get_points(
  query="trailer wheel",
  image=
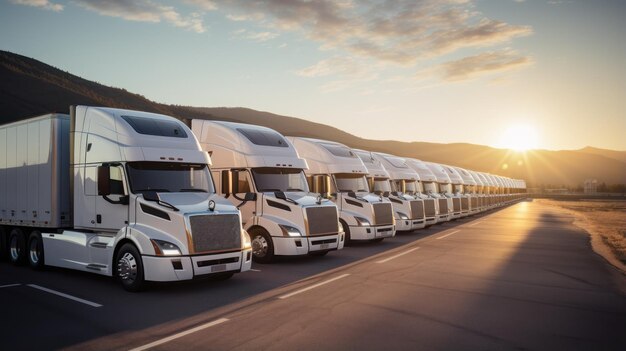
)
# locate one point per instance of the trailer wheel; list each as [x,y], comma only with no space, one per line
[35,250]
[4,243]
[17,247]
[129,268]
[262,246]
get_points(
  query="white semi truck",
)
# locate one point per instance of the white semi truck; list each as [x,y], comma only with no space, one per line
[115,192]
[460,202]
[260,172]
[404,186]
[338,173]
[442,189]
[469,189]
[425,191]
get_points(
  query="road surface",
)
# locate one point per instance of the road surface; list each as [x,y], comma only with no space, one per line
[522,277]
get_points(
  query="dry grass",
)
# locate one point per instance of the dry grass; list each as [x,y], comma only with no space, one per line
[604,220]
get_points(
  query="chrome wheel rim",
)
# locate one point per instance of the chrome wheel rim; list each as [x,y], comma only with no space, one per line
[259,246]
[127,267]
[34,252]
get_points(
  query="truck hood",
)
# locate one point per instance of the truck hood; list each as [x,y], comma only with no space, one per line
[196,202]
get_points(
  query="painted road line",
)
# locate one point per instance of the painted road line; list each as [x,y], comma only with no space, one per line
[473,224]
[443,236]
[9,285]
[398,255]
[181,334]
[58,293]
[313,286]
[255,270]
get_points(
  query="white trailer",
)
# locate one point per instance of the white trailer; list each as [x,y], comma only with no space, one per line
[115,192]
[404,186]
[259,170]
[443,188]
[338,173]
[425,191]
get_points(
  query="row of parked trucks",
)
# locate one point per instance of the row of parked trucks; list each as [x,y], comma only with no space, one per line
[146,197]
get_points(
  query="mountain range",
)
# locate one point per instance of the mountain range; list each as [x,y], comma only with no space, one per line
[29,88]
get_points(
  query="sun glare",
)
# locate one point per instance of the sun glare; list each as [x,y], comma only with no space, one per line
[519,138]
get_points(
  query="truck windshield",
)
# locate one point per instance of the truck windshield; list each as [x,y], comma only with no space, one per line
[279,179]
[410,186]
[381,184]
[431,188]
[169,177]
[351,182]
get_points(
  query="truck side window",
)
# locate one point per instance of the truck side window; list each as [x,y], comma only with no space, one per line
[243,181]
[117,183]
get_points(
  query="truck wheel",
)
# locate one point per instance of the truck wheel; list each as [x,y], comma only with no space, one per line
[129,268]
[35,250]
[4,243]
[17,247]
[262,246]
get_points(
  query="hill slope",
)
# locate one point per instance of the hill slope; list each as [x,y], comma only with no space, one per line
[29,87]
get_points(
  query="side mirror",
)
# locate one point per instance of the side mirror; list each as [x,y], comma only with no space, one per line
[352,194]
[104,180]
[250,197]
[225,182]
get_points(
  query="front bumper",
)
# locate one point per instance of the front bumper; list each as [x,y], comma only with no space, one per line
[175,268]
[293,246]
[370,233]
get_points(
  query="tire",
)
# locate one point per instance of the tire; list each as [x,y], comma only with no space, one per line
[4,243]
[346,231]
[17,247]
[129,268]
[319,253]
[262,246]
[35,254]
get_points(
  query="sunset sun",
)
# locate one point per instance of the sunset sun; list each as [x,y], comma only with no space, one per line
[519,138]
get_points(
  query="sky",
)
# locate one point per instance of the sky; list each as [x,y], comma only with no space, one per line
[546,74]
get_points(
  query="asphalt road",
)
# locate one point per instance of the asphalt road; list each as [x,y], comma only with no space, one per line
[523,277]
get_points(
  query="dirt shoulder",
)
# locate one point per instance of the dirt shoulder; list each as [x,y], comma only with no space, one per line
[605,221]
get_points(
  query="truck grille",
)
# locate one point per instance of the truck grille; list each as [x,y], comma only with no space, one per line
[464,204]
[429,208]
[443,206]
[322,220]
[456,204]
[383,214]
[417,209]
[215,232]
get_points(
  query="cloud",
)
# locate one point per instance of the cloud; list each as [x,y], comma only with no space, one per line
[481,64]
[397,32]
[44,4]
[144,11]
[255,36]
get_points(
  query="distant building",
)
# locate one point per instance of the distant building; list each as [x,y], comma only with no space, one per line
[591,186]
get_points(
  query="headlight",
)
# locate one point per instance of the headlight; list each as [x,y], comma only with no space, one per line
[245,240]
[362,222]
[402,215]
[165,248]
[289,230]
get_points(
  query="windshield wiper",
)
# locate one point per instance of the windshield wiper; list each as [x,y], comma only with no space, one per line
[294,189]
[156,190]
[268,190]
[153,196]
[192,190]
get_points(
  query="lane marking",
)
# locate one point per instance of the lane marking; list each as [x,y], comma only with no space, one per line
[454,232]
[313,286]
[473,224]
[181,334]
[255,270]
[398,255]
[9,285]
[58,293]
